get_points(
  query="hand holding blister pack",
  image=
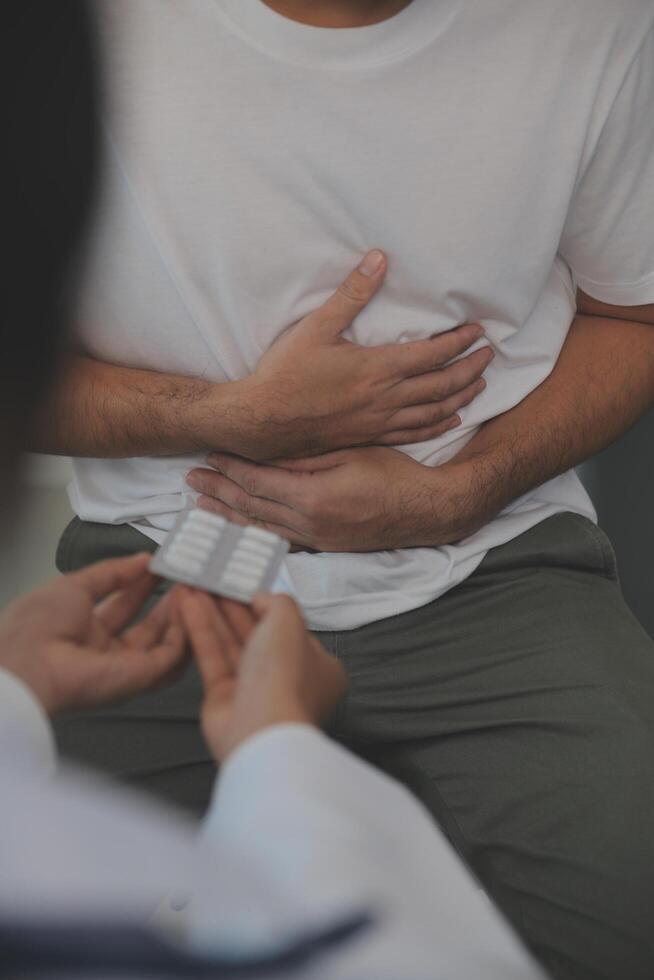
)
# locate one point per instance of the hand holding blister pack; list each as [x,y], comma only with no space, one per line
[208,552]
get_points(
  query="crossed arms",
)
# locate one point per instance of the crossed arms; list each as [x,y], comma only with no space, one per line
[602,383]
[283,455]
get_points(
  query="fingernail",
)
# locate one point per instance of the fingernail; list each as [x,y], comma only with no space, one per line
[372,263]
[213,461]
[455,423]
[477,330]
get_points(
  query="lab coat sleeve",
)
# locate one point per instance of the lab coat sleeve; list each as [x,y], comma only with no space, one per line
[325,834]
[299,835]
[26,739]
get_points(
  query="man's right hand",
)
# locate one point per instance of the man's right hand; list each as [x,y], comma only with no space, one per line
[313,391]
[260,667]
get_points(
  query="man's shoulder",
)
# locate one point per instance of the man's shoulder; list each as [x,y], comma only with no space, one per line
[589,16]
[597,29]
[605,10]
[620,15]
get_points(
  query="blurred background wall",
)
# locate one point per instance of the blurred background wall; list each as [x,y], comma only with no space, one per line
[28,554]
[621,482]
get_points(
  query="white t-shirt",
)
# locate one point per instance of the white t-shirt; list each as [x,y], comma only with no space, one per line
[498,150]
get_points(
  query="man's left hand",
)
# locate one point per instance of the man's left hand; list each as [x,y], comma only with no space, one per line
[368,499]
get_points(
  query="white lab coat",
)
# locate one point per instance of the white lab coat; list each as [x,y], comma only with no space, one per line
[299,833]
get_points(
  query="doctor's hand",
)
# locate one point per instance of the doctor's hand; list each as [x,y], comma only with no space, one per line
[71,643]
[314,391]
[260,667]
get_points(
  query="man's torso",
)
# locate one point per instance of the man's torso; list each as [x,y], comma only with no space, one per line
[252,161]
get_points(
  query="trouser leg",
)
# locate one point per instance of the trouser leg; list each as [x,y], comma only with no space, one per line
[520,708]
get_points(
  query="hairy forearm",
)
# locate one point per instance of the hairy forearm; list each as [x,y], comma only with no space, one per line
[602,383]
[104,410]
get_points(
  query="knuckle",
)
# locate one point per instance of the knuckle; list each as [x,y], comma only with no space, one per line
[245,505]
[378,367]
[352,290]
[466,334]
[453,380]
[465,397]
[460,341]
[486,355]
[208,503]
[445,346]
[223,469]
[439,389]
[424,435]
[419,356]
[437,415]
[249,482]
[467,378]
[208,484]
[198,480]
[475,364]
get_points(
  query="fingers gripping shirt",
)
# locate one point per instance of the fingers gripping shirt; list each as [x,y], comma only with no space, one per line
[251,162]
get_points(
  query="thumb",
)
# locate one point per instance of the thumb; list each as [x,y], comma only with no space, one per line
[353,294]
[280,607]
[280,622]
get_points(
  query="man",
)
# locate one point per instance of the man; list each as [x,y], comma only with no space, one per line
[256,152]
[287,884]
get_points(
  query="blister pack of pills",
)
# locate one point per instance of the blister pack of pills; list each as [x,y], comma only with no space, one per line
[209,552]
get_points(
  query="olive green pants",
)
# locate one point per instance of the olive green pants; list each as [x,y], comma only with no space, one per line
[519,707]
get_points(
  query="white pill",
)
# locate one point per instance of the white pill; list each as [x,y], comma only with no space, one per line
[255,561]
[255,548]
[191,541]
[187,554]
[255,574]
[206,519]
[242,581]
[203,546]
[199,533]
[187,565]
[241,569]
[258,534]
